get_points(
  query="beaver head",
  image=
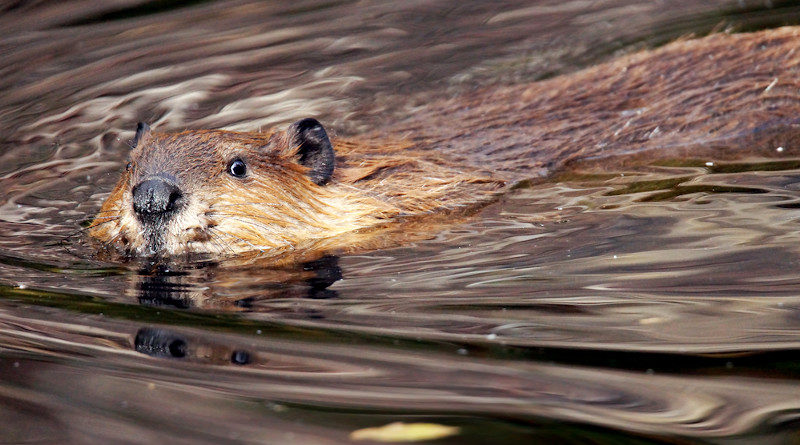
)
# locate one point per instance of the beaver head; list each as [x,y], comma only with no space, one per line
[228,192]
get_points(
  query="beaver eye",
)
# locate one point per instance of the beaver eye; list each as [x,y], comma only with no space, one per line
[237,168]
[128,167]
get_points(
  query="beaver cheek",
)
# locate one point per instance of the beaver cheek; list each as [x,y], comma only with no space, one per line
[187,229]
[127,235]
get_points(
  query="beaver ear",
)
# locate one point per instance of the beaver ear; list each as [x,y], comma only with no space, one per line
[142,130]
[314,149]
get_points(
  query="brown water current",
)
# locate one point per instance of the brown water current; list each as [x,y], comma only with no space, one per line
[657,303]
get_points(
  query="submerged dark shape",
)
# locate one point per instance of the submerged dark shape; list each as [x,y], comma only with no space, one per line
[160,343]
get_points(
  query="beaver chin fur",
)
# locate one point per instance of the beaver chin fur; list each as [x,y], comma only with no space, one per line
[207,229]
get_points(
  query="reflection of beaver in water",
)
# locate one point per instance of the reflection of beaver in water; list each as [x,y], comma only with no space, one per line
[218,191]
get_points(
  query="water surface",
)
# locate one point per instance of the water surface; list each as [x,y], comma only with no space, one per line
[656,304]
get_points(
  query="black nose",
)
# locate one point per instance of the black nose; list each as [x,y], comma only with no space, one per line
[155,197]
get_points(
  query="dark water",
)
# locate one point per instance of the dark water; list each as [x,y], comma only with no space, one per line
[657,305]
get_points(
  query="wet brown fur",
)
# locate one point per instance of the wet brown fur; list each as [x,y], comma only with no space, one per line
[277,206]
[723,95]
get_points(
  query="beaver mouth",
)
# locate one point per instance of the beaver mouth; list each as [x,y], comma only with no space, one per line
[164,236]
[153,232]
[199,234]
[158,240]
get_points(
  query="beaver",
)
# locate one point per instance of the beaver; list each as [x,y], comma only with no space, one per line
[229,192]
[216,191]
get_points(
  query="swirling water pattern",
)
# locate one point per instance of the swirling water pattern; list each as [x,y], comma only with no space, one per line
[578,309]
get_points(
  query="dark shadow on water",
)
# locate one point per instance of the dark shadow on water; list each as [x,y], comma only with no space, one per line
[208,286]
[160,343]
[146,8]
[163,343]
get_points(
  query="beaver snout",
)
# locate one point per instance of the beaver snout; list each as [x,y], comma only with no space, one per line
[156,198]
